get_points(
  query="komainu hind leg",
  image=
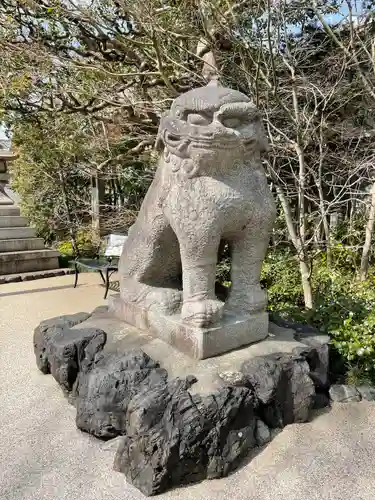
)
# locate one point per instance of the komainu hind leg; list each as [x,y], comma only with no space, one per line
[151,266]
[163,299]
[248,253]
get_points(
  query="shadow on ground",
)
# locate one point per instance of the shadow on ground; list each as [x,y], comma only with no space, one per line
[37,290]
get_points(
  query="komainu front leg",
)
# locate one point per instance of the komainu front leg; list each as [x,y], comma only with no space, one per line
[192,212]
[200,305]
[199,244]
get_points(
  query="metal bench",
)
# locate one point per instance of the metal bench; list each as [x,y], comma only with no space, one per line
[105,265]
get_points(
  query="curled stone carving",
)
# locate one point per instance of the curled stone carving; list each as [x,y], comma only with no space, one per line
[209,187]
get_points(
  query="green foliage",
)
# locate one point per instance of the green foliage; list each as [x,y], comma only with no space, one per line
[86,244]
[350,320]
[280,276]
[223,267]
[346,259]
[343,306]
[50,173]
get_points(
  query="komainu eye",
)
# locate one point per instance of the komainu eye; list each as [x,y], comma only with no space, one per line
[197,119]
[232,122]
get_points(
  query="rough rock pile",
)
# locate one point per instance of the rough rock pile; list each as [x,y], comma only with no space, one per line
[171,436]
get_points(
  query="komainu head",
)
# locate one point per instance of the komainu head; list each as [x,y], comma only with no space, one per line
[211,127]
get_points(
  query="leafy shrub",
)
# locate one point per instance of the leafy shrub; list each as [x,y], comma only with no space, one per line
[343,307]
[86,244]
[281,278]
[352,326]
[223,266]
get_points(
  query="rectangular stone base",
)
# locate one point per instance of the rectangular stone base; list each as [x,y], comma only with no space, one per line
[200,343]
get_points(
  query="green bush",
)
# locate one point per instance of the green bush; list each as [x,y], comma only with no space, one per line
[343,307]
[281,278]
[223,267]
[86,244]
[349,319]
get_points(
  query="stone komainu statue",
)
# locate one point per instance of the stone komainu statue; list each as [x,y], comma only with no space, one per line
[209,187]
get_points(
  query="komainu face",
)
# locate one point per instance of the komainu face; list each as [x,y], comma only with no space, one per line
[211,126]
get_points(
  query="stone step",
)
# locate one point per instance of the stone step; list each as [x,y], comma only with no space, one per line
[34,275]
[19,244]
[13,221]
[26,261]
[13,233]
[9,210]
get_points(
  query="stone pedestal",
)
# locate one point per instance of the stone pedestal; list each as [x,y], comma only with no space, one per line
[4,198]
[4,177]
[232,332]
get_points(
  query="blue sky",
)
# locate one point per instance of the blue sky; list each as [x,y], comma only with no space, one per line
[335,18]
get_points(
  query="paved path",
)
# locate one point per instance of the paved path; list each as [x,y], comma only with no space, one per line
[44,457]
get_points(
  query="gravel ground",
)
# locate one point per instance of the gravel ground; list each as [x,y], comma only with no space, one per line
[44,457]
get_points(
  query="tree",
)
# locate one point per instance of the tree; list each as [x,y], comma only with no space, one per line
[115,66]
[52,176]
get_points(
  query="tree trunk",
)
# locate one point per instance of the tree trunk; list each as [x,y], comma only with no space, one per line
[363,272]
[306,282]
[95,205]
[210,69]
[301,240]
[326,228]
[304,264]
[69,218]
[323,213]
